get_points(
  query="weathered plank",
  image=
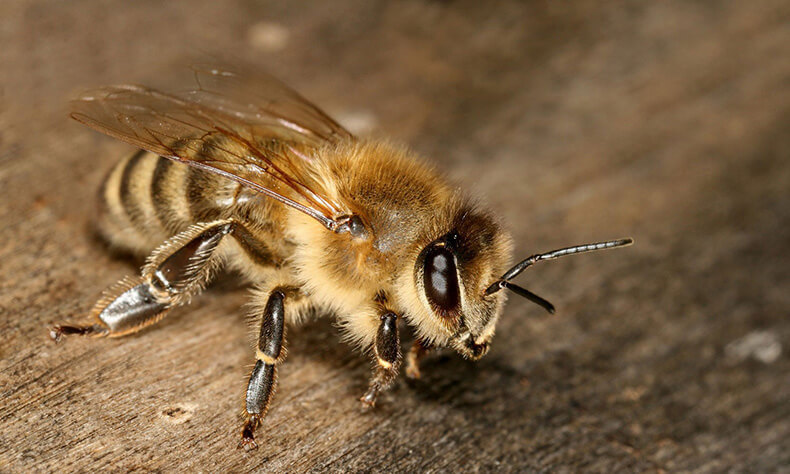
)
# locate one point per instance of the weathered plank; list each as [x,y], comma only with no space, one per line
[667,121]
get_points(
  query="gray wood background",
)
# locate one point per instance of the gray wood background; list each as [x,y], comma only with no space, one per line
[667,121]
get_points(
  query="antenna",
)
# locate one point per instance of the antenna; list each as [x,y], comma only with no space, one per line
[504,281]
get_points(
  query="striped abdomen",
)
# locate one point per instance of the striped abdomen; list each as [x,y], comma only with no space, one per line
[146,199]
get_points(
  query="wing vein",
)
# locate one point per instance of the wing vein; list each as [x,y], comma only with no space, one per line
[253,130]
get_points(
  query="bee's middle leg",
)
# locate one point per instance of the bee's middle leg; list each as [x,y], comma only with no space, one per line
[387,358]
[175,271]
[269,353]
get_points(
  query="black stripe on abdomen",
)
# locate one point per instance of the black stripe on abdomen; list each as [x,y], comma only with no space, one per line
[128,198]
[255,250]
[160,195]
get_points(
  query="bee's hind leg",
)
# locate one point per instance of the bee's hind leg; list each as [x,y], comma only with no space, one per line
[175,271]
[387,358]
[269,353]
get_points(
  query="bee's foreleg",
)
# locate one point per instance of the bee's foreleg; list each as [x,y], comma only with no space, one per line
[418,350]
[269,353]
[175,271]
[387,358]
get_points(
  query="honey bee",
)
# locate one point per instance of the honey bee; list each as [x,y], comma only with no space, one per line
[242,171]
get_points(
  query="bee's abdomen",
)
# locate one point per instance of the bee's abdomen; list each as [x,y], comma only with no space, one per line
[146,199]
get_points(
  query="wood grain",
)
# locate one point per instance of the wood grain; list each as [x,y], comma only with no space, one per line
[666,121]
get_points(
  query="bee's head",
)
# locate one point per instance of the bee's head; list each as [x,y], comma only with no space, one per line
[457,284]
[452,273]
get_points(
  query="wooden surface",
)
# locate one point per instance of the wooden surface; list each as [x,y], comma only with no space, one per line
[666,121]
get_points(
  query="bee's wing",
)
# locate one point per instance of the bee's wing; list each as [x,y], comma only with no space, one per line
[263,143]
[259,98]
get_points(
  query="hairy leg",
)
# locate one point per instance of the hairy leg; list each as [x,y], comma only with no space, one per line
[176,271]
[387,358]
[269,354]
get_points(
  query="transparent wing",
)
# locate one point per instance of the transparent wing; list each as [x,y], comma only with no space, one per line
[259,98]
[260,134]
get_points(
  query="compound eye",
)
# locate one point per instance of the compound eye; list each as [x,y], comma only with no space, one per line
[440,278]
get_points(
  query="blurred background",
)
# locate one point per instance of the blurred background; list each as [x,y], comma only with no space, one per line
[577,121]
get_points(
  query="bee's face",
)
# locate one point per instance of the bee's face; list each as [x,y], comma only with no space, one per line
[452,274]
